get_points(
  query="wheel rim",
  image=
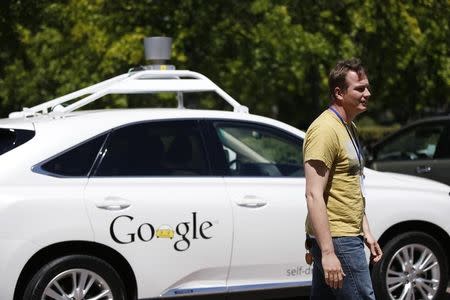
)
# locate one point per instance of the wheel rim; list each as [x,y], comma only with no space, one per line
[413,273]
[77,284]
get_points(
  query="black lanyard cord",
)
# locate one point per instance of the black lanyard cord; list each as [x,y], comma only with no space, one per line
[352,136]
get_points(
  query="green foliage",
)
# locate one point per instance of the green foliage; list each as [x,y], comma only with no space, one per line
[371,134]
[273,56]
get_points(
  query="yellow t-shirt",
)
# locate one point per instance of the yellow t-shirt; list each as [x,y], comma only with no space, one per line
[328,140]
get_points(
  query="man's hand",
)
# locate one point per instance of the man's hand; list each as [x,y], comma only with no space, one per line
[371,242]
[375,249]
[332,269]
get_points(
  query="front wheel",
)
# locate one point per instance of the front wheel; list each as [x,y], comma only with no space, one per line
[75,277]
[413,267]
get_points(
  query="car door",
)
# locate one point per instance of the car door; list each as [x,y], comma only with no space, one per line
[265,181]
[441,167]
[152,199]
[421,150]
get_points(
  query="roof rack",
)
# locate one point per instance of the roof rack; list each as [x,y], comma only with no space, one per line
[145,81]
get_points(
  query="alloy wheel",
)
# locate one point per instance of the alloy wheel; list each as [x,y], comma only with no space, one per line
[413,273]
[77,284]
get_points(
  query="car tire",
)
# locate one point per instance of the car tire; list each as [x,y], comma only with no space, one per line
[93,275]
[411,260]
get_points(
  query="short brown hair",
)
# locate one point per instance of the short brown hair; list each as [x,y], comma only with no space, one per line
[339,72]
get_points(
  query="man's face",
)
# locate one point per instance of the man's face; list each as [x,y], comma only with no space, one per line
[356,97]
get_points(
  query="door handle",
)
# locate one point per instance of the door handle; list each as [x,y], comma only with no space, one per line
[252,205]
[113,206]
[251,201]
[113,203]
[423,169]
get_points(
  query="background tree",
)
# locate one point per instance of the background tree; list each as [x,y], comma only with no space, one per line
[272,56]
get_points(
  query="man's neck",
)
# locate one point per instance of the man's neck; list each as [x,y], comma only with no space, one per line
[348,118]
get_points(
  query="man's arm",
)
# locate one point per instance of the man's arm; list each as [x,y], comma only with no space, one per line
[371,242]
[316,174]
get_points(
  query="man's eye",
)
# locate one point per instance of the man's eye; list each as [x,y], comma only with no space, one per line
[360,89]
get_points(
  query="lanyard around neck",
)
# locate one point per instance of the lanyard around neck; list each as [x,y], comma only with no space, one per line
[353,138]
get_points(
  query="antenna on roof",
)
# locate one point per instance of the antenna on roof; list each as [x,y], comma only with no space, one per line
[158,50]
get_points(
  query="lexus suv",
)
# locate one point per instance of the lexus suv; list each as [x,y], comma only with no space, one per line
[166,203]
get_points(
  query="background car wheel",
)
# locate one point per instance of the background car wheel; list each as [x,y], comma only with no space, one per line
[75,277]
[413,267]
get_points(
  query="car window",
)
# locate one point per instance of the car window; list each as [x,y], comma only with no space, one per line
[76,161]
[419,142]
[12,138]
[172,148]
[257,150]
[443,145]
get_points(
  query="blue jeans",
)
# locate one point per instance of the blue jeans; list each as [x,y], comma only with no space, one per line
[357,283]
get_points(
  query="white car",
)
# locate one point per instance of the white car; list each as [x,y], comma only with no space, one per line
[154,203]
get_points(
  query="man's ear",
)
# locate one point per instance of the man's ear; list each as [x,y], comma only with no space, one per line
[338,94]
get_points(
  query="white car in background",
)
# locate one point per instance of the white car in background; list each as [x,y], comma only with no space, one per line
[154,203]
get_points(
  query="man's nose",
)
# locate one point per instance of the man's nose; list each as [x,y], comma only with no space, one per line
[366,93]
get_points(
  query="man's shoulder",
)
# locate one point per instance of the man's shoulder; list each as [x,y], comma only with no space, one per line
[324,123]
[321,141]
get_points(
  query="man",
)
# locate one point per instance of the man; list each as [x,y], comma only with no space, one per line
[336,222]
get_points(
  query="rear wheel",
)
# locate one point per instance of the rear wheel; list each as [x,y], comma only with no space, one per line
[75,277]
[413,267]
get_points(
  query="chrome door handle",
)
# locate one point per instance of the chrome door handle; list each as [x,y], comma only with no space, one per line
[423,169]
[252,205]
[251,201]
[113,203]
[113,206]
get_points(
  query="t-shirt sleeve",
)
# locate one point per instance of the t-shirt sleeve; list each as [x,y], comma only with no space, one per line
[321,143]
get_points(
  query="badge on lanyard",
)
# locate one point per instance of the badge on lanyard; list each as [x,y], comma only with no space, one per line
[361,183]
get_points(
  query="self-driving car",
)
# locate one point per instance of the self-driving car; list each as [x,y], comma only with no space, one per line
[84,193]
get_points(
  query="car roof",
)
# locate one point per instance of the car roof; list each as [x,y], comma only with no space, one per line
[430,119]
[95,121]
[124,116]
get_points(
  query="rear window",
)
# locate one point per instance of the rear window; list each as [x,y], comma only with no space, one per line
[77,161]
[12,138]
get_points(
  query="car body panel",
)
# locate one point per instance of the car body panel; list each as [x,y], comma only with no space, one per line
[268,239]
[430,169]
[191,206]
[17,124]
[397,198]
[33,219]
[15,255]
